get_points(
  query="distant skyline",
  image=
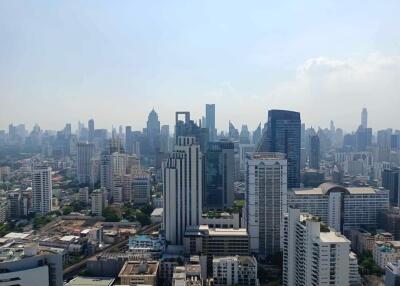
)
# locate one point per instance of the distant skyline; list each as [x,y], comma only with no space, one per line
[113,61]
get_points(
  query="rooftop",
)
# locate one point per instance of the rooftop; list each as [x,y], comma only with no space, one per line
[90,281]
[326,188]
[332,237]
[145,268]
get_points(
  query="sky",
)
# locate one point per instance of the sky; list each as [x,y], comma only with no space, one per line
[64,61]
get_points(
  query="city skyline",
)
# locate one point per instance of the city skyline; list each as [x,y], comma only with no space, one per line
[67,61]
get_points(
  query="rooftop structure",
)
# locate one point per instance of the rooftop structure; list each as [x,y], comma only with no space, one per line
[139,272]
[91,281]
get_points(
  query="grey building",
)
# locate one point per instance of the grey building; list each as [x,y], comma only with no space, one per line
[283,135]
[314,162]
[210,120]
[219,170]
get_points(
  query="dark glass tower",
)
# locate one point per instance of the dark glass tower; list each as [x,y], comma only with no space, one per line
[219,175]
[314,152]
[283,135]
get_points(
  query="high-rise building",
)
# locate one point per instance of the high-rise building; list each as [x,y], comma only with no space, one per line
[313,254]
[42,190]
[314,152]
[210,121]
[343,209]
[99,201]
[85,152]
[153,124]
[266,201]
[182,187]
[244,137]
[128,140]
[391,182]
[364,118]
[283,135]
[141,189]
[189,128]
[233,132]
[257,135]
[219,171]
[91,130]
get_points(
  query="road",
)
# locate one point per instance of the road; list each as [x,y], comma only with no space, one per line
[74,269]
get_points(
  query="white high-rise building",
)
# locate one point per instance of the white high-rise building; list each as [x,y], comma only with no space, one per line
[314,255]
[341,208]
[235,270]
[42,190]
[266,201]
[364,118]
[182,178]
[84,160]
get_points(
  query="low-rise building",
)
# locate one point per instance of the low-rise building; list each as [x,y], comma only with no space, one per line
[235,270]
[156,215]
[91,281]
[362,240]
[218,219]
[146,244]
[385,252]
[139,273]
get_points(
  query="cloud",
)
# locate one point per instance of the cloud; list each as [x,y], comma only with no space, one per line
[325,88]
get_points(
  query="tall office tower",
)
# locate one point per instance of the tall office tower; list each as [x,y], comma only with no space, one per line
[141,189]
[128,140]
[84,161]
[165,139]
[188,128]
[283,134]
[314,255]
[391,182]
[153,124]
[244,137]
[42,190]
[219,171]
[364,118]
[14,202]
[210,121]
[182,187]
[91,130]
[314,152]
[342,208]
[233,132]
[266,201]
[257,135]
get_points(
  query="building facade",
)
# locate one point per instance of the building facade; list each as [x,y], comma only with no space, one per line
[42,189]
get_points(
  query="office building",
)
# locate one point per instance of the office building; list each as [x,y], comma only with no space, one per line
[315,153]
[210,121]
[188,128]
[139,273]
[83,196]
[343,209]
[99,201]
[4,210]
[219,169]
[85,152]
[283,135]
[364,118]
[42,190]
[391,182]
[266,201]
[182,188]
[141,189]
[30,264]
[389,220]
[244,136]
[188,275]
[91,130]
[235,270]
[14,202]
[313,254]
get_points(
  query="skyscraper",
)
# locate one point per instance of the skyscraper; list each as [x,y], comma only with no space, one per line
[85,153]
[153,124]
[91,130]
[219,170]
[391,182]
[314,162]
[189,128]
[210,120]
[266,201]
[315,255]
[182,187]
[364,118]
[283,135]
[42,190]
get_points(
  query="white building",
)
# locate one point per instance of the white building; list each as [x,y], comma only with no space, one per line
[42,190]
[235,270]
[313,254]
[385,252]
[266,201]
[342,208]
[83,195]
[99,201]
[182,183]
[85,152]
[27,265]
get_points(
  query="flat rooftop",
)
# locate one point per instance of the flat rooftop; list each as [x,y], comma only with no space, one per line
[90,281]
[132,268]
[332,237]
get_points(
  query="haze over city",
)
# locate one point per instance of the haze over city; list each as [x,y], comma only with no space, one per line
[64,61]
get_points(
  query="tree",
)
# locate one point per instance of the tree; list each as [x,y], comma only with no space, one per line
[111,215]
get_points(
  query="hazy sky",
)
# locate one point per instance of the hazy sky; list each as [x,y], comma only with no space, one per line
[61,61]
